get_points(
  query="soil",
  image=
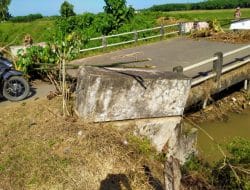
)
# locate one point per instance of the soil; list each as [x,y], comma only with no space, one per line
[231,37]
[40,149]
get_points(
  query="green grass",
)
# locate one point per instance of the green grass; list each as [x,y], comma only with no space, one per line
[41,29]
[227,14]
[14,32]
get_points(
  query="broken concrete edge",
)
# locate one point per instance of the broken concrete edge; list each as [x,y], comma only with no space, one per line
[132,72]
[116,94]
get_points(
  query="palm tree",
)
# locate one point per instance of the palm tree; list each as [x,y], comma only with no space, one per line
[4,11]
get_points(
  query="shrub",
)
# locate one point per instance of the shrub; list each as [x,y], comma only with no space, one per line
[28,18]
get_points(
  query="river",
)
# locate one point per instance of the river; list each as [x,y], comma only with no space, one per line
[238,125]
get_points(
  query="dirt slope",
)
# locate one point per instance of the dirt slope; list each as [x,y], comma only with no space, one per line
[41,150]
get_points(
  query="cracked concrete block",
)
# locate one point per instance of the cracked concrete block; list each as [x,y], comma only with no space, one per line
[112,94]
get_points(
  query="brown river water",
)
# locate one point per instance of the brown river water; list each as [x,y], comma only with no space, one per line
[238,125]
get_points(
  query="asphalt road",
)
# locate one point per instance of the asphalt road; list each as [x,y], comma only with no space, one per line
[39,90]
[165,55]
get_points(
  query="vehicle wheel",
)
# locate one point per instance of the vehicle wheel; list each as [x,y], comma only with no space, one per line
[16,88]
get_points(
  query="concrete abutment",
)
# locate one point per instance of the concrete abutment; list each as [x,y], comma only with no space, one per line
[151,101]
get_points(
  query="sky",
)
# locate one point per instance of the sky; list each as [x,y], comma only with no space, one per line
[51,7]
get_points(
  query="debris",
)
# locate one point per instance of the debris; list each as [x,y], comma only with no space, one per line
[80,133]
[231,37]
[125,142]
[234,99]
[235,103]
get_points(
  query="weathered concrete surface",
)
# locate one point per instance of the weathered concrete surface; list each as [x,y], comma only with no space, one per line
[165,134]
[150,101]
[105,94]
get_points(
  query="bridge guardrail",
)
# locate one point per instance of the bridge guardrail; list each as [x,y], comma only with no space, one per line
[135,36]
[218,68]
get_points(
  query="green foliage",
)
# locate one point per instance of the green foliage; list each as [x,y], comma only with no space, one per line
[37,60]
[230,173]
[103,23]
[67,9]
[239,159]
[81,24]
[30,60]
[193,164]
[4,11]
[66,47]
[239,149]
[205,5]
[94,25]
[40,30]
[28,18]
[234,172]
[117,13]
[215,26]
[142,144]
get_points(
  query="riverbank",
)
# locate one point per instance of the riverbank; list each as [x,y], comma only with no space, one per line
[39,149]
[223,147]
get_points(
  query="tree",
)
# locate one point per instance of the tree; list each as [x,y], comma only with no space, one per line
[4,11]
[67,9]
[119,12]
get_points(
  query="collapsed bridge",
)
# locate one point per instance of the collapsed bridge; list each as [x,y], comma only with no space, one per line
[153,100]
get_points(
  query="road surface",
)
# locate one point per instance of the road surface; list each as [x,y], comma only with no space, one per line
[39,89]
[165,55]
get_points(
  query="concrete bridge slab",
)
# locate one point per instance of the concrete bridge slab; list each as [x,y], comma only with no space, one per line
[165,55]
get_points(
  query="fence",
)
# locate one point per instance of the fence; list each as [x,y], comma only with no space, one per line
[105,44]
[218,68]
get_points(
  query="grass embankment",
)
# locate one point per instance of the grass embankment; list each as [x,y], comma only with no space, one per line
[41,150]
[41,30]
[226,14]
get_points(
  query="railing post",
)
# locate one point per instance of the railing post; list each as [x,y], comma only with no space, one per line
[247,85]
[162,31]
[181,30]
[104,41]
[217,66]
[135,36]
[178,69]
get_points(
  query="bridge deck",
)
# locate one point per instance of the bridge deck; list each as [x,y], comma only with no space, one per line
[165,55]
